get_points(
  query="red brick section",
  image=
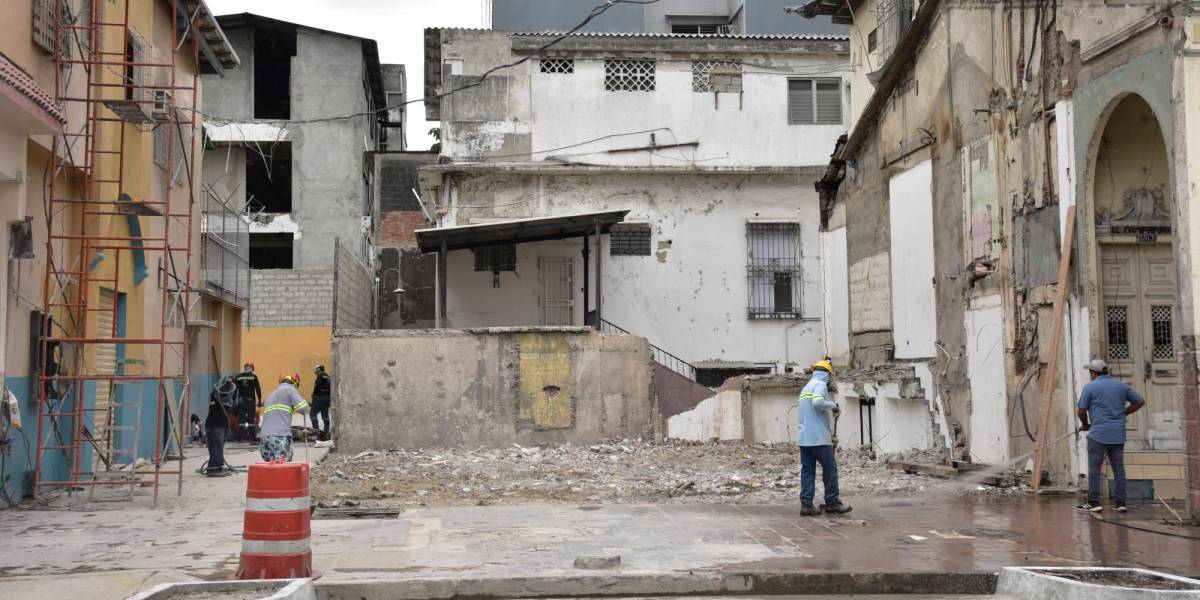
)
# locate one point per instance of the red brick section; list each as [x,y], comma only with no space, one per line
[398,227]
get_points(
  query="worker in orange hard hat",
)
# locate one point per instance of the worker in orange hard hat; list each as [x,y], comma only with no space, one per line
[816,442]
[249,401]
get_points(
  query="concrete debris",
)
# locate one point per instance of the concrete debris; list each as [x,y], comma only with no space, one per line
[598,562]
[618,471]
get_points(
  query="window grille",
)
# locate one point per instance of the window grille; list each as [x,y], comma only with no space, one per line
[1118,332]
[44,21]
[629,75]
[700,28]
[1164,340]
[894,17]
[629,240]
[702,71]
[815,101]
[562,66]
[496,258]
[773,270]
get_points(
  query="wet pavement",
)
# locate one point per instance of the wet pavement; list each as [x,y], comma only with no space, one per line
[931,534]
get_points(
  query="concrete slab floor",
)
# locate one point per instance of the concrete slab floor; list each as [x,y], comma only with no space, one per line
[935,534]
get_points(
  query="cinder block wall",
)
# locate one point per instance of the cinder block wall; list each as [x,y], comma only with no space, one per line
[290,297]
[489,387]
[353,292]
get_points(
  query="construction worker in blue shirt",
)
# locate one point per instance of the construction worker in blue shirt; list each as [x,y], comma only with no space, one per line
[279,407]
[815,440]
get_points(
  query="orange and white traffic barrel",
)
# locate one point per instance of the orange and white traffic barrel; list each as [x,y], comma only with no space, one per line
[276,530]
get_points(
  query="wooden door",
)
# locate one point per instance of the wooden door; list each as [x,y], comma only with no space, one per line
[1140,327]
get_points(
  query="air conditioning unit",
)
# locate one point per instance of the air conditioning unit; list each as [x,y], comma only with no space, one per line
[160,109]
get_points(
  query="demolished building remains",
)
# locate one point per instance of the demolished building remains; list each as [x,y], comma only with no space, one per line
[987,137]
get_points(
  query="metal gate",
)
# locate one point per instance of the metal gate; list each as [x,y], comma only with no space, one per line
[556,302]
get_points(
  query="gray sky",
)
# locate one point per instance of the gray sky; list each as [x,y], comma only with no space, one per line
[397,25]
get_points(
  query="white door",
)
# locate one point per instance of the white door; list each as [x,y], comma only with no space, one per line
[556,302]
[1140,325]
[106,364]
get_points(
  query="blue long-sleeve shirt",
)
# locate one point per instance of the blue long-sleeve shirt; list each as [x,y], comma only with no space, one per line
[816,412]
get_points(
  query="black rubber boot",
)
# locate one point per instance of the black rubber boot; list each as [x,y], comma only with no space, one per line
[809,511]
[837,509]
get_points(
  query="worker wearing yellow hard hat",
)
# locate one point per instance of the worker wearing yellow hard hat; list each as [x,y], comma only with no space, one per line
[816,442]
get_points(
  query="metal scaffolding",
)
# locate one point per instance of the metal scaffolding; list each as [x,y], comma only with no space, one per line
[113,351]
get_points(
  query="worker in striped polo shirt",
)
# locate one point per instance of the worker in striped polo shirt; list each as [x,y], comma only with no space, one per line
[278,408]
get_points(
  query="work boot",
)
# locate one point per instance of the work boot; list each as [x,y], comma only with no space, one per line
[836,509]
[808,510]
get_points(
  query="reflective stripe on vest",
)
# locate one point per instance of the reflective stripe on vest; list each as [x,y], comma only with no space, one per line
[283,407]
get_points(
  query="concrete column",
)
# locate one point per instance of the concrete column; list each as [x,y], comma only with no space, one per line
[586,290]
[599,280]
[441,320]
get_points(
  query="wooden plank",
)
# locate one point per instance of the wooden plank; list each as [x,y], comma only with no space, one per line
[1050,375]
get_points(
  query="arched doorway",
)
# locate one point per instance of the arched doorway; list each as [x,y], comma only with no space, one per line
[1139,315]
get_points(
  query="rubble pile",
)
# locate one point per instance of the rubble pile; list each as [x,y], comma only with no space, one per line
[624,471]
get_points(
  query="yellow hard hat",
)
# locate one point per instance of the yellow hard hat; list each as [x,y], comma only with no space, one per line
[824,365]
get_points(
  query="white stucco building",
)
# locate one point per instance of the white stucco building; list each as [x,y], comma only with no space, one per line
[694,156]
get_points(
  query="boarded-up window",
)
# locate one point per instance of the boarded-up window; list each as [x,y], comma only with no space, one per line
[630,239]
[815,101]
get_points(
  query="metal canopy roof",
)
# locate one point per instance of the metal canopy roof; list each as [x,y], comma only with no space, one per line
[518,231]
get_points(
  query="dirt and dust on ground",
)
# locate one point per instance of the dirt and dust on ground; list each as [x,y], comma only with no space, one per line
[620,471]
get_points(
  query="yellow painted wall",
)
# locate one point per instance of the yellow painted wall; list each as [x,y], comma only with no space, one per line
[278,350]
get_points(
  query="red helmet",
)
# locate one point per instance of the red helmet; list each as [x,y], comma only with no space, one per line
[248,363]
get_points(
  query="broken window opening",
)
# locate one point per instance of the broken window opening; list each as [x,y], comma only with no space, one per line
[273,52]
[271,250]
[269,178]
[773,270]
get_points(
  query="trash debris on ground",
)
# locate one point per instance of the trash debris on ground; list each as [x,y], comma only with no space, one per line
[618,471]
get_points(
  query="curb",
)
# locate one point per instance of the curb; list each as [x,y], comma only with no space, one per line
[662,584]
[275,589]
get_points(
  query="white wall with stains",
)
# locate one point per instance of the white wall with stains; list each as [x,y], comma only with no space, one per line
[689,296]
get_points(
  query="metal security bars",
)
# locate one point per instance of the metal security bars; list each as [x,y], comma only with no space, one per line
[496,258]
[773,270]
[894,18]
[561,66]
[629,75]
[225,251]
[659,355]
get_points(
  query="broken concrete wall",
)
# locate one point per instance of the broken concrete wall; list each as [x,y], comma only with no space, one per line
[490,387]
[753,408]
[1013,139]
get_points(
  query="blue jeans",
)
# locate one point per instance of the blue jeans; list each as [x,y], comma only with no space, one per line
[1116,460]
[810,456]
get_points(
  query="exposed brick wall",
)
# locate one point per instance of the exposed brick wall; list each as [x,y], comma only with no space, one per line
[397,228]
[290,297]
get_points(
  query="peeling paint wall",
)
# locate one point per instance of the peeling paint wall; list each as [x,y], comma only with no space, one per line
[471,388]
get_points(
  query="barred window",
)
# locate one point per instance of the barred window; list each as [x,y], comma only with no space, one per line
[725,74]
[1164,339]
[1118,332]
[563,66]
[629,75]
[496,258]
[629,239]
[773,270]
[815,101]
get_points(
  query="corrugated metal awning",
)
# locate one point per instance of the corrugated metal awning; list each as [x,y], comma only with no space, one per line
[518,231]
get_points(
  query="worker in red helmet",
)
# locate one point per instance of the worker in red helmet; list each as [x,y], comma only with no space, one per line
[276,431]
[250,400]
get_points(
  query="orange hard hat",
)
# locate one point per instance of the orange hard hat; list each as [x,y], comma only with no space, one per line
[248,363]
[287,378]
